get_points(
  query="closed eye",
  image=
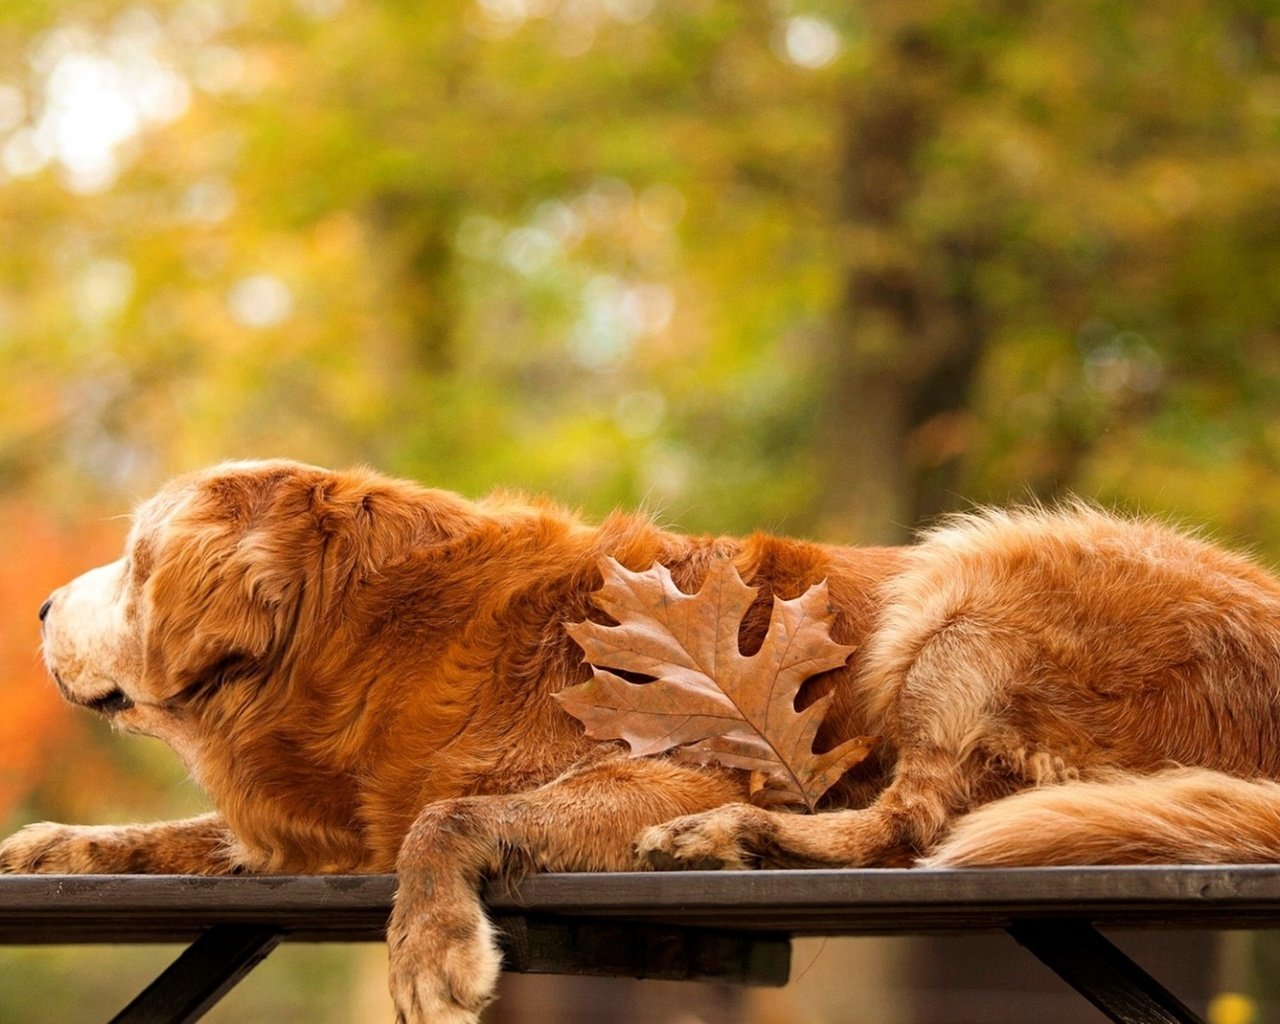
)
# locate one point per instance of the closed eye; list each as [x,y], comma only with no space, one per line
[110,702]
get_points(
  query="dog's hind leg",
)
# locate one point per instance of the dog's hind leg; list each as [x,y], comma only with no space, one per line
[942,698]
[908,817]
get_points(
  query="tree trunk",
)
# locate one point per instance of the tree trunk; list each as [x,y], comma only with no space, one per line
[907,334]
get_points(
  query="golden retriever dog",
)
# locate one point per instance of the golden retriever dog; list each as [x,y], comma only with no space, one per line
[360,673]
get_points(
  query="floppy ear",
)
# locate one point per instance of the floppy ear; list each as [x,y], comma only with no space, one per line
[251,550]
[218,603]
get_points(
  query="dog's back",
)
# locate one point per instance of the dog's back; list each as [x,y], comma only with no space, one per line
[1035,676]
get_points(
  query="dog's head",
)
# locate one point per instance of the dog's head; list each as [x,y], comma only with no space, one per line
[224,573]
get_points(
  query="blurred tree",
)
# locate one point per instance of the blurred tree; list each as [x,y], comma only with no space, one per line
[1055,235]
[837,265]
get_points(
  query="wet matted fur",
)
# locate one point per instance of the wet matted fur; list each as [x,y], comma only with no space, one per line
[359,672]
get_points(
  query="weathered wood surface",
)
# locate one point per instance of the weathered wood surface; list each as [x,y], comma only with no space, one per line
[118,908]
[603,948]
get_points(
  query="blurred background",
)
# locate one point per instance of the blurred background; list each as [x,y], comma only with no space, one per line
[815,266]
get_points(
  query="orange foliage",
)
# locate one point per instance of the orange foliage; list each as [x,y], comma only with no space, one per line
[41,554]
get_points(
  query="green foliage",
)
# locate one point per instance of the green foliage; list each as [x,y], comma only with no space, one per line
[595,250]
[297,984]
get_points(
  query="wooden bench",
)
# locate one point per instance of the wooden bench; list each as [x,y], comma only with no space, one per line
[728,925]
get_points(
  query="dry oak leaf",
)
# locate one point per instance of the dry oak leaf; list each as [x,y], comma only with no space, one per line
[705,698]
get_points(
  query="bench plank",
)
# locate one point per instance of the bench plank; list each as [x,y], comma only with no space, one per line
[566,945]
[354,908]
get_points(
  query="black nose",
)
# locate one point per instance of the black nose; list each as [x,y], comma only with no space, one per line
[44,608]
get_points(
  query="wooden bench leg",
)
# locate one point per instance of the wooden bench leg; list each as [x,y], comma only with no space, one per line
[208,969]
[1101,973]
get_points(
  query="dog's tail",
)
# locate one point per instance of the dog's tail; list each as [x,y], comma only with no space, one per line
[1181,816]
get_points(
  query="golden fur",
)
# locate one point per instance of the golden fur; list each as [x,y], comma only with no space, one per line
[359,671]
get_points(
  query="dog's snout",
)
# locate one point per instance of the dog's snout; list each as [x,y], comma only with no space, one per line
[44,608]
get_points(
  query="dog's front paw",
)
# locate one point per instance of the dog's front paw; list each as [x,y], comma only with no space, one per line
[444,962]
[44,848]
[720,838]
